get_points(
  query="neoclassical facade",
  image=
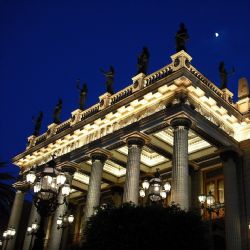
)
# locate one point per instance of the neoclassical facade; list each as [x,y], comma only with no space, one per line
[174,120]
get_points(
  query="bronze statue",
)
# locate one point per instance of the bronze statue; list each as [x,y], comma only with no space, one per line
[181,37]
[142,61]
[38,123]
[57,112]
[109,79]
[223,75]
[83,94]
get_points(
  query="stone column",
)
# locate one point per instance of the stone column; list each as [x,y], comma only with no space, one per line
[179,193]
[98,156]
[15,217]
[232,212]
[135,142]
[55,233]
[34,217]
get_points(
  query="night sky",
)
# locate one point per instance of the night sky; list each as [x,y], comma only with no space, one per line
[46,46]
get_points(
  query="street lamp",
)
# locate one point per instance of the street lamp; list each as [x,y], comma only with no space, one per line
[47,183]
[64,221]
[154,188]
[8,235]
[32,230]
[209,204]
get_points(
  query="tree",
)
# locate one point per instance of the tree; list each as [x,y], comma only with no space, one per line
[146,228]
[7,192]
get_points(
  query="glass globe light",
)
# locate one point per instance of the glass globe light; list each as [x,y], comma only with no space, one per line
[61,179]
[12,231]
[156,187]
[9,232]
[37,187]
[167,186]
[29,229]
[34,226]
[210,199]
[5,234]
[163,194]
[54,185]
[66,190]
[59,221]
[142,193]
[71,218]
[202,198]
[30,177]
[145,184]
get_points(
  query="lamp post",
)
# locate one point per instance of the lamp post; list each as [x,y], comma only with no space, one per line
[47,183]
[64,221]
[154,188]
[209,204]
[32,230]
[8,235]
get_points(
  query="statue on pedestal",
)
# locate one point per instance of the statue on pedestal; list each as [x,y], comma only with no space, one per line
[223,75]
[83,94]
[142,61]
[109,79]
[57,112]
[38,123]
[181,37]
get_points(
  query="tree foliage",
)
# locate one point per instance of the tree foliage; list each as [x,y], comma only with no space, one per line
[146,228]
[7,193]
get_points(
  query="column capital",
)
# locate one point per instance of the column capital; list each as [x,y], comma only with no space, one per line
[229,152]
[136,138]
[68,167]
[181,121]
[100,154]
[21,186]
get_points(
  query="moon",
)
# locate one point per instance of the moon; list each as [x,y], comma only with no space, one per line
[216,34]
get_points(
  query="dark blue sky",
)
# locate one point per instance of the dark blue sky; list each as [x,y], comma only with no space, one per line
[46,45]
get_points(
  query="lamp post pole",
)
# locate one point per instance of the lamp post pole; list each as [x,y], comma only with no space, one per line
[208,204]
[39,240]
[9,234]
[48,183]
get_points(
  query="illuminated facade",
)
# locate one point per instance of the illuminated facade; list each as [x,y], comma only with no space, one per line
[174,119]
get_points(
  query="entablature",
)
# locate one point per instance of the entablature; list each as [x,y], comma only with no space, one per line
[173,84]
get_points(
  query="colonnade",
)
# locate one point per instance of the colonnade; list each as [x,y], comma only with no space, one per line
[180,184]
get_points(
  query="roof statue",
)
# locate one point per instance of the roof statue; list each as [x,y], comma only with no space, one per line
[38,123]
[83,94]
[243,88]
[57,112]
[181,37]
[142,61]
[109,79]
[223,75]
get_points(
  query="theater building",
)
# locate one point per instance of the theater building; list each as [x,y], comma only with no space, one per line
[175,120]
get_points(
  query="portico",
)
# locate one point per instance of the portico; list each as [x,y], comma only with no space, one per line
[174,120]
